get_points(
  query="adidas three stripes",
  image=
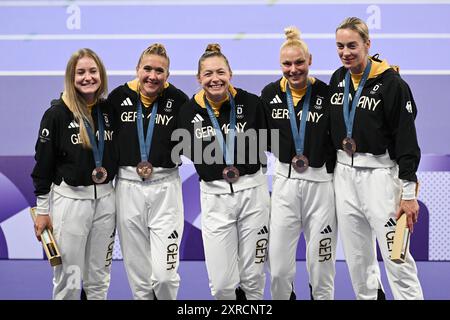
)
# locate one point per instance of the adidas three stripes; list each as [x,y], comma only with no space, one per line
[300,205]
[150,224]
[366,202]
[235,237]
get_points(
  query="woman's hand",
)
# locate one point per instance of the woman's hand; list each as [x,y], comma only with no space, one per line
[411,209]
[42,221]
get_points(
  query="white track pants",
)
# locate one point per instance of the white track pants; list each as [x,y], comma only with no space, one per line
[84,232]
[235,236]
[309,206]
[150,223]
[366,200]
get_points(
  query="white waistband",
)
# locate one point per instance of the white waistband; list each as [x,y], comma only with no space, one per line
[365,160]
[83,192]
[244,182]
[310,174]
[129,173]
[158,175]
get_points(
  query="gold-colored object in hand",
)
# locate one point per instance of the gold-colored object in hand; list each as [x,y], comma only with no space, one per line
[48,243]
[401,240]
[402,236]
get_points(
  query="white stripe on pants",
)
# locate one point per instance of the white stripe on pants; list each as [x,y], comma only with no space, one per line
[235,244]
[365,200]
[309,206]
[150,223]
[84,232]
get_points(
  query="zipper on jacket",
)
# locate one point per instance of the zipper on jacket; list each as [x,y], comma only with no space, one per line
[289,174]
[95,191]
[231,188]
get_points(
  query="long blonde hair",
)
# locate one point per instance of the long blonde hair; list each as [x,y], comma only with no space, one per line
[74,100]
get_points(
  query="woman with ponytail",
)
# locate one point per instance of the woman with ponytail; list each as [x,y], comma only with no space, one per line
[73,177]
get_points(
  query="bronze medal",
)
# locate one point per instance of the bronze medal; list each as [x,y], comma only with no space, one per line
[230,174]
[349,145]
[99,175]
[144,169]
[300,163]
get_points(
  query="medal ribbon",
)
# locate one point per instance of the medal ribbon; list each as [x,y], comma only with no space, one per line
[97,151]
[349,117]
[145,144]
[298,133]
[229,147]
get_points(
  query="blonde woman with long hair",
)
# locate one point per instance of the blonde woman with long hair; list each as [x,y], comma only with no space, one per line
[73,180]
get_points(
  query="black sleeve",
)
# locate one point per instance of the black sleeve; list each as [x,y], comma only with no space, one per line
[185,140]
[183,104]
[46,153]
[111,103]
[265,99]
[183,100]
[114,127]
[401,112]
[334,78]
[330,151]
[264,134]
[112,106]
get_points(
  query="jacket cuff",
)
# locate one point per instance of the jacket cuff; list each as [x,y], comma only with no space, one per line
[409,190]
[42,204]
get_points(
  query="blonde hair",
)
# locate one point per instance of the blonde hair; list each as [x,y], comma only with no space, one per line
[357,25]
[293,39]
[212,50]
[74,100]
[157,49]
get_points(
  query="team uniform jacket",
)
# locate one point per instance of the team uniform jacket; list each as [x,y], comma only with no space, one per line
[124,102]
[249,115]
[384,119]
[59,153]
[318,147]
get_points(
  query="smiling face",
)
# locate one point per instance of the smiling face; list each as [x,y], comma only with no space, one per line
[152,72]
[215,78]
[352,50]
[87,78]
[295,66]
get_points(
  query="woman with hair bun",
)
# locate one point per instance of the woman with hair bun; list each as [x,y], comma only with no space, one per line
[302,191]
[224,122]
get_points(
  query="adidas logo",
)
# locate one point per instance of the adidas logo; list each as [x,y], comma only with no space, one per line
[326,230]
[197,118]
[126,102]
[73,124]
[341,84]
[276,99]
[173,235]
[390,223]
[263,230]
